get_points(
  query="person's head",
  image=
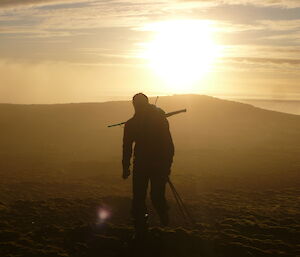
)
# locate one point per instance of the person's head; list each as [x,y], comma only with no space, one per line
[140,101]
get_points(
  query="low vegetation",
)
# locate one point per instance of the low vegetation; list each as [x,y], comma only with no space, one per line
[236,168]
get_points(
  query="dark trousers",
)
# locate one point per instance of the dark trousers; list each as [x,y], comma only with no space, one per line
[142,175]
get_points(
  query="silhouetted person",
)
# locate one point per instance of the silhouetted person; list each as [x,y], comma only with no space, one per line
[153,157]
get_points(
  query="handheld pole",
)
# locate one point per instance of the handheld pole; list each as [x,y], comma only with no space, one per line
[156,100]
[181,206]
[169,114]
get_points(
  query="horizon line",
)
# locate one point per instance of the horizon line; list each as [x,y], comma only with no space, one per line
[128,98]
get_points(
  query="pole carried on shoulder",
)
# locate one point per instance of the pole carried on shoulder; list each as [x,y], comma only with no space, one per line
[169,114]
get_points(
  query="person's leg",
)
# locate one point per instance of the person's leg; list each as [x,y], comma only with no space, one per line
[139,209]
[158,189]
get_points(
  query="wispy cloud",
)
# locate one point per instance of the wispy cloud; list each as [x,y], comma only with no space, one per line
[283,25]
[94,33]
[267,3]
[291,62]
[14,3]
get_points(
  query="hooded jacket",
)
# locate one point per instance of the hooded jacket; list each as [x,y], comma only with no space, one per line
[149,131]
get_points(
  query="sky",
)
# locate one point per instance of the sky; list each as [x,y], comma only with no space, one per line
[57,51]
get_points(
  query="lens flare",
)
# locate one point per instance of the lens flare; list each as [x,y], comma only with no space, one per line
[103,214]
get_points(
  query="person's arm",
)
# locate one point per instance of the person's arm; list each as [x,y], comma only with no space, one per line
[166,143]
[127,150]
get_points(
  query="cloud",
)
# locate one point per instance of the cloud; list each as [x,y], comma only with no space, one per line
[270,25]
[260,65]
[282,25]
[14,3]
[263,51]
[265,60]
[265,3]
[91,14]
[99,23]
[284,38]
[258,58]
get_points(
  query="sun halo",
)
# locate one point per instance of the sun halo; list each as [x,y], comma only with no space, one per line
[181,52]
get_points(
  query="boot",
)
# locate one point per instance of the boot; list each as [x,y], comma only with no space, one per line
[141,228]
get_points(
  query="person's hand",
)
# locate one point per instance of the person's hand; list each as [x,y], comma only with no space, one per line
[126,173]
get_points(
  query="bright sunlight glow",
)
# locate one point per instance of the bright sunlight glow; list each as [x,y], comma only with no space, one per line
[181,52]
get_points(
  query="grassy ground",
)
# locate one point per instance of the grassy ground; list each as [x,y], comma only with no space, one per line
[58,217]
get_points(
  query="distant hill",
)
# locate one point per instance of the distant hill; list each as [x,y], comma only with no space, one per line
[214,137]
[287,106]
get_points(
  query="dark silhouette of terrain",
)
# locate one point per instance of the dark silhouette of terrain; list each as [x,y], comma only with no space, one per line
[236,167]
[215,137]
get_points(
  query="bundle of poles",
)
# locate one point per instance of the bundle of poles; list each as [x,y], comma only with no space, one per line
[169,114]
[186,215]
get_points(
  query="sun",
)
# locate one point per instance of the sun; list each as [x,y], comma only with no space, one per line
[181,52]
